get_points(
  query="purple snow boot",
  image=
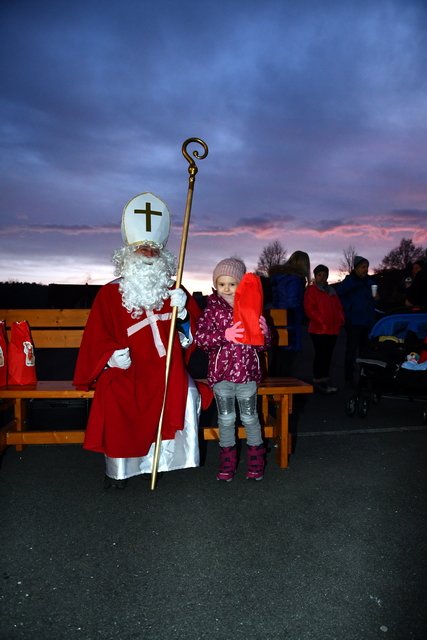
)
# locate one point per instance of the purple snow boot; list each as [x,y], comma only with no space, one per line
[255,457]
[227,463]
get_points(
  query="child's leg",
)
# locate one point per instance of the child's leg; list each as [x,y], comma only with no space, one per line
[247,398]
[226,404]
[246,394]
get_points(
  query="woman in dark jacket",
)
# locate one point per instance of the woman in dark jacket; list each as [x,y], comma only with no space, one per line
[288,283]
[358,301]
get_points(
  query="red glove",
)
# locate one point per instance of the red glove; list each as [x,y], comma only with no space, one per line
[233,333]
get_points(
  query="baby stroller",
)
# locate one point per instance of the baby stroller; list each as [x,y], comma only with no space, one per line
[393,364]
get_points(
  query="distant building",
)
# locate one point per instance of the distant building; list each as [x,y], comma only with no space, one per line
[25,295]
[72,296]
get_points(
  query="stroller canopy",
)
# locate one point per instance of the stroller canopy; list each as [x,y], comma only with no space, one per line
[398,325]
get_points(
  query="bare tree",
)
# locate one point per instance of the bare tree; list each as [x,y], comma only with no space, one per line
[346,264]
[273,254]
[403,256]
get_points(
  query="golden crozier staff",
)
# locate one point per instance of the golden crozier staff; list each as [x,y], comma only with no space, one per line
[192,170]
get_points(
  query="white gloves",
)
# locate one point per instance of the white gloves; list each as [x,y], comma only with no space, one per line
[178,299]
[120,359]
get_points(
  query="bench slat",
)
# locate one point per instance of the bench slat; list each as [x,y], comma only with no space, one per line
[45,437]
[50,328]
[46,389]
[278,318]
[56,339]
[49,318]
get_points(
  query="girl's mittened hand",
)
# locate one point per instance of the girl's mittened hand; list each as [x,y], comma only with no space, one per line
[263,325]
[234,333]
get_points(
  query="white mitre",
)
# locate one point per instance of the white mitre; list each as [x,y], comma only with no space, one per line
[145,220]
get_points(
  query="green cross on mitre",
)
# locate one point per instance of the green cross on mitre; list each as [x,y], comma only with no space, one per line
[148,212]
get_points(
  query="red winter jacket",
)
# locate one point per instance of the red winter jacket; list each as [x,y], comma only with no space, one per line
[324,310]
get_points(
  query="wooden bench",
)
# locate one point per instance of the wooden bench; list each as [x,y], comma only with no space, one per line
[63,328]
[50,329]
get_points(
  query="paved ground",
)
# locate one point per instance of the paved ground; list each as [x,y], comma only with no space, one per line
[333,548]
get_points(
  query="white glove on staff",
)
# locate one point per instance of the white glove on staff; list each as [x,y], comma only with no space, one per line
[120,359]
[178,299]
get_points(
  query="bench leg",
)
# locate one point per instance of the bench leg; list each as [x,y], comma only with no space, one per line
[20,418]
[3,437]
[283,441]
[5,405]
[264,409]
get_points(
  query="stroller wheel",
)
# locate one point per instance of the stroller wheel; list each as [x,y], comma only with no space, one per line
[362,407]
[350,406]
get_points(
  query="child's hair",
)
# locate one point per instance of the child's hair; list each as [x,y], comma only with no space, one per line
[233,267]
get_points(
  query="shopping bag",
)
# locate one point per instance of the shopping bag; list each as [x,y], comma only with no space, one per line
[21,361]
[248,306]
[3,354]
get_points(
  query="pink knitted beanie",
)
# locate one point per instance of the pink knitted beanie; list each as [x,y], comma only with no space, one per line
[229,267]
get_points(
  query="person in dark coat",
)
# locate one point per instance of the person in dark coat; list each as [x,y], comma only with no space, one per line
[358,300]
[288,283]
[416,293]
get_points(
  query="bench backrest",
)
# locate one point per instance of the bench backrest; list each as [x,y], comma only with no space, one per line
[63,328]
[50,328]
[278,320]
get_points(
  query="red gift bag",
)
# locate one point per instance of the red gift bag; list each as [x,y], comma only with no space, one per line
[21,361]
[3,354]
[248,306]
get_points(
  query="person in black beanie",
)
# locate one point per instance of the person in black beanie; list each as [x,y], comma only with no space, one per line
[358,294]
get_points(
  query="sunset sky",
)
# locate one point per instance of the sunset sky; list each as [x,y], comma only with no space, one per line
[315,114]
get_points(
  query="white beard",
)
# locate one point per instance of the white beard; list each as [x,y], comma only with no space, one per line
[145,282]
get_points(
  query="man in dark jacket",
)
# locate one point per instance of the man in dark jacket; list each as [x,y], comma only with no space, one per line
[358,300]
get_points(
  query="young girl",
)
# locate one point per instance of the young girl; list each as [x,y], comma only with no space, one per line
[233,371]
